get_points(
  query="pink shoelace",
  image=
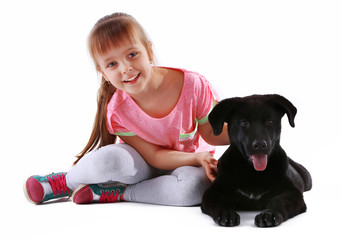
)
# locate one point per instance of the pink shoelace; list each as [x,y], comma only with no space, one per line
[109,197]
[58,184]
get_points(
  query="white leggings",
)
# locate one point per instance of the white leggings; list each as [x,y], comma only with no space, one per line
[121,163]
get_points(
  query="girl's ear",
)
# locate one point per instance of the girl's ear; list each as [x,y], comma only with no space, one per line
[150,52]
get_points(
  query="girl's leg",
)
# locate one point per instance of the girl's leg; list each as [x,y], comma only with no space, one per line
[183,187]
[110,164]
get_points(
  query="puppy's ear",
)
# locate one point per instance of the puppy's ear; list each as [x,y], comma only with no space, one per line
[221,114]
[285,106]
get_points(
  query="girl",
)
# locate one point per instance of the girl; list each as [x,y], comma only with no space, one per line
[160,115]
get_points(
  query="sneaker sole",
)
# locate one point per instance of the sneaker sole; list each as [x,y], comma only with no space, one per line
[79,190]
[27,194]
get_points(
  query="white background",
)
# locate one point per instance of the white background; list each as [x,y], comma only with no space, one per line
[48,102]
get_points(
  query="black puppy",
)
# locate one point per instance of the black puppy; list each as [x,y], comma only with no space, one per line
[255,173]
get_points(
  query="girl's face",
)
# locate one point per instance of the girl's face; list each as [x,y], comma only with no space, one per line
[127,66]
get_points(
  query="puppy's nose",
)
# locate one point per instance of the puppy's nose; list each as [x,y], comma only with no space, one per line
[259,144]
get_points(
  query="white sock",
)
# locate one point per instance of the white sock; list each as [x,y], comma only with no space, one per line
[47,187]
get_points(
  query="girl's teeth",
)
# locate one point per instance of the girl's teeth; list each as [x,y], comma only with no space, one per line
[131,79]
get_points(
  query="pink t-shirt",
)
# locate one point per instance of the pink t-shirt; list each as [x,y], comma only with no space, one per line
[179,129]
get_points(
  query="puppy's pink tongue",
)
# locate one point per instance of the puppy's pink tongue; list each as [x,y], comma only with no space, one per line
[259,161]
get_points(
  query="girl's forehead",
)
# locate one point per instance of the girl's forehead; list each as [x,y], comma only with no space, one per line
[120,48]
[126,43]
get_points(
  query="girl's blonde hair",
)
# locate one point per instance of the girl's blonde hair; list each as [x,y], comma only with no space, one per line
[109,32]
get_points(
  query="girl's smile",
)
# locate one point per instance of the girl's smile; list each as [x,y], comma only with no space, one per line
[132,79]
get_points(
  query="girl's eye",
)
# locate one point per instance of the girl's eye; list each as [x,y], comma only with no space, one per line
[133,54]
[112,64]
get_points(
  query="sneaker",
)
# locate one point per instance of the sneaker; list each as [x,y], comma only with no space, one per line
[39,189]
[99,193]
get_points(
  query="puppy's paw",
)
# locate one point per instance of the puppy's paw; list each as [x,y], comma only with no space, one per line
[268,219]
[227,218]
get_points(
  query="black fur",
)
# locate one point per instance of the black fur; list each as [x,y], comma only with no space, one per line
[255,173]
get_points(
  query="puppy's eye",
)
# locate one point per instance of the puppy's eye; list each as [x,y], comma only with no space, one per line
[269,122]
[243,123]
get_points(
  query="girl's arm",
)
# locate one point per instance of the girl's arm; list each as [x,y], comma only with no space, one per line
[206,133]
[167,159]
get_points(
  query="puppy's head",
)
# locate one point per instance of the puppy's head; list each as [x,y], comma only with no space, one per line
[254,124]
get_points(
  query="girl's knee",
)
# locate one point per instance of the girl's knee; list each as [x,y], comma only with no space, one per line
[192,183]
[115,159]
[195,176]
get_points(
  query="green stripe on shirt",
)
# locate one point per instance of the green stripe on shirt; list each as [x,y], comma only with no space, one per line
[185,136]
[128,134]
[205,119]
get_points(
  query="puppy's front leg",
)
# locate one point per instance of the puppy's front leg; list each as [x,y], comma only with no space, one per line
[282,207]
[219,206]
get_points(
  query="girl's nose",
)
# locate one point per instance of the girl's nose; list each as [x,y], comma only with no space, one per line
[127,69]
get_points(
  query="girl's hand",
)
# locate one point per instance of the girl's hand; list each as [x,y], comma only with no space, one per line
[209,164]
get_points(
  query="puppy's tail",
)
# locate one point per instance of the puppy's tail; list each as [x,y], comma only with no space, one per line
[303,172]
